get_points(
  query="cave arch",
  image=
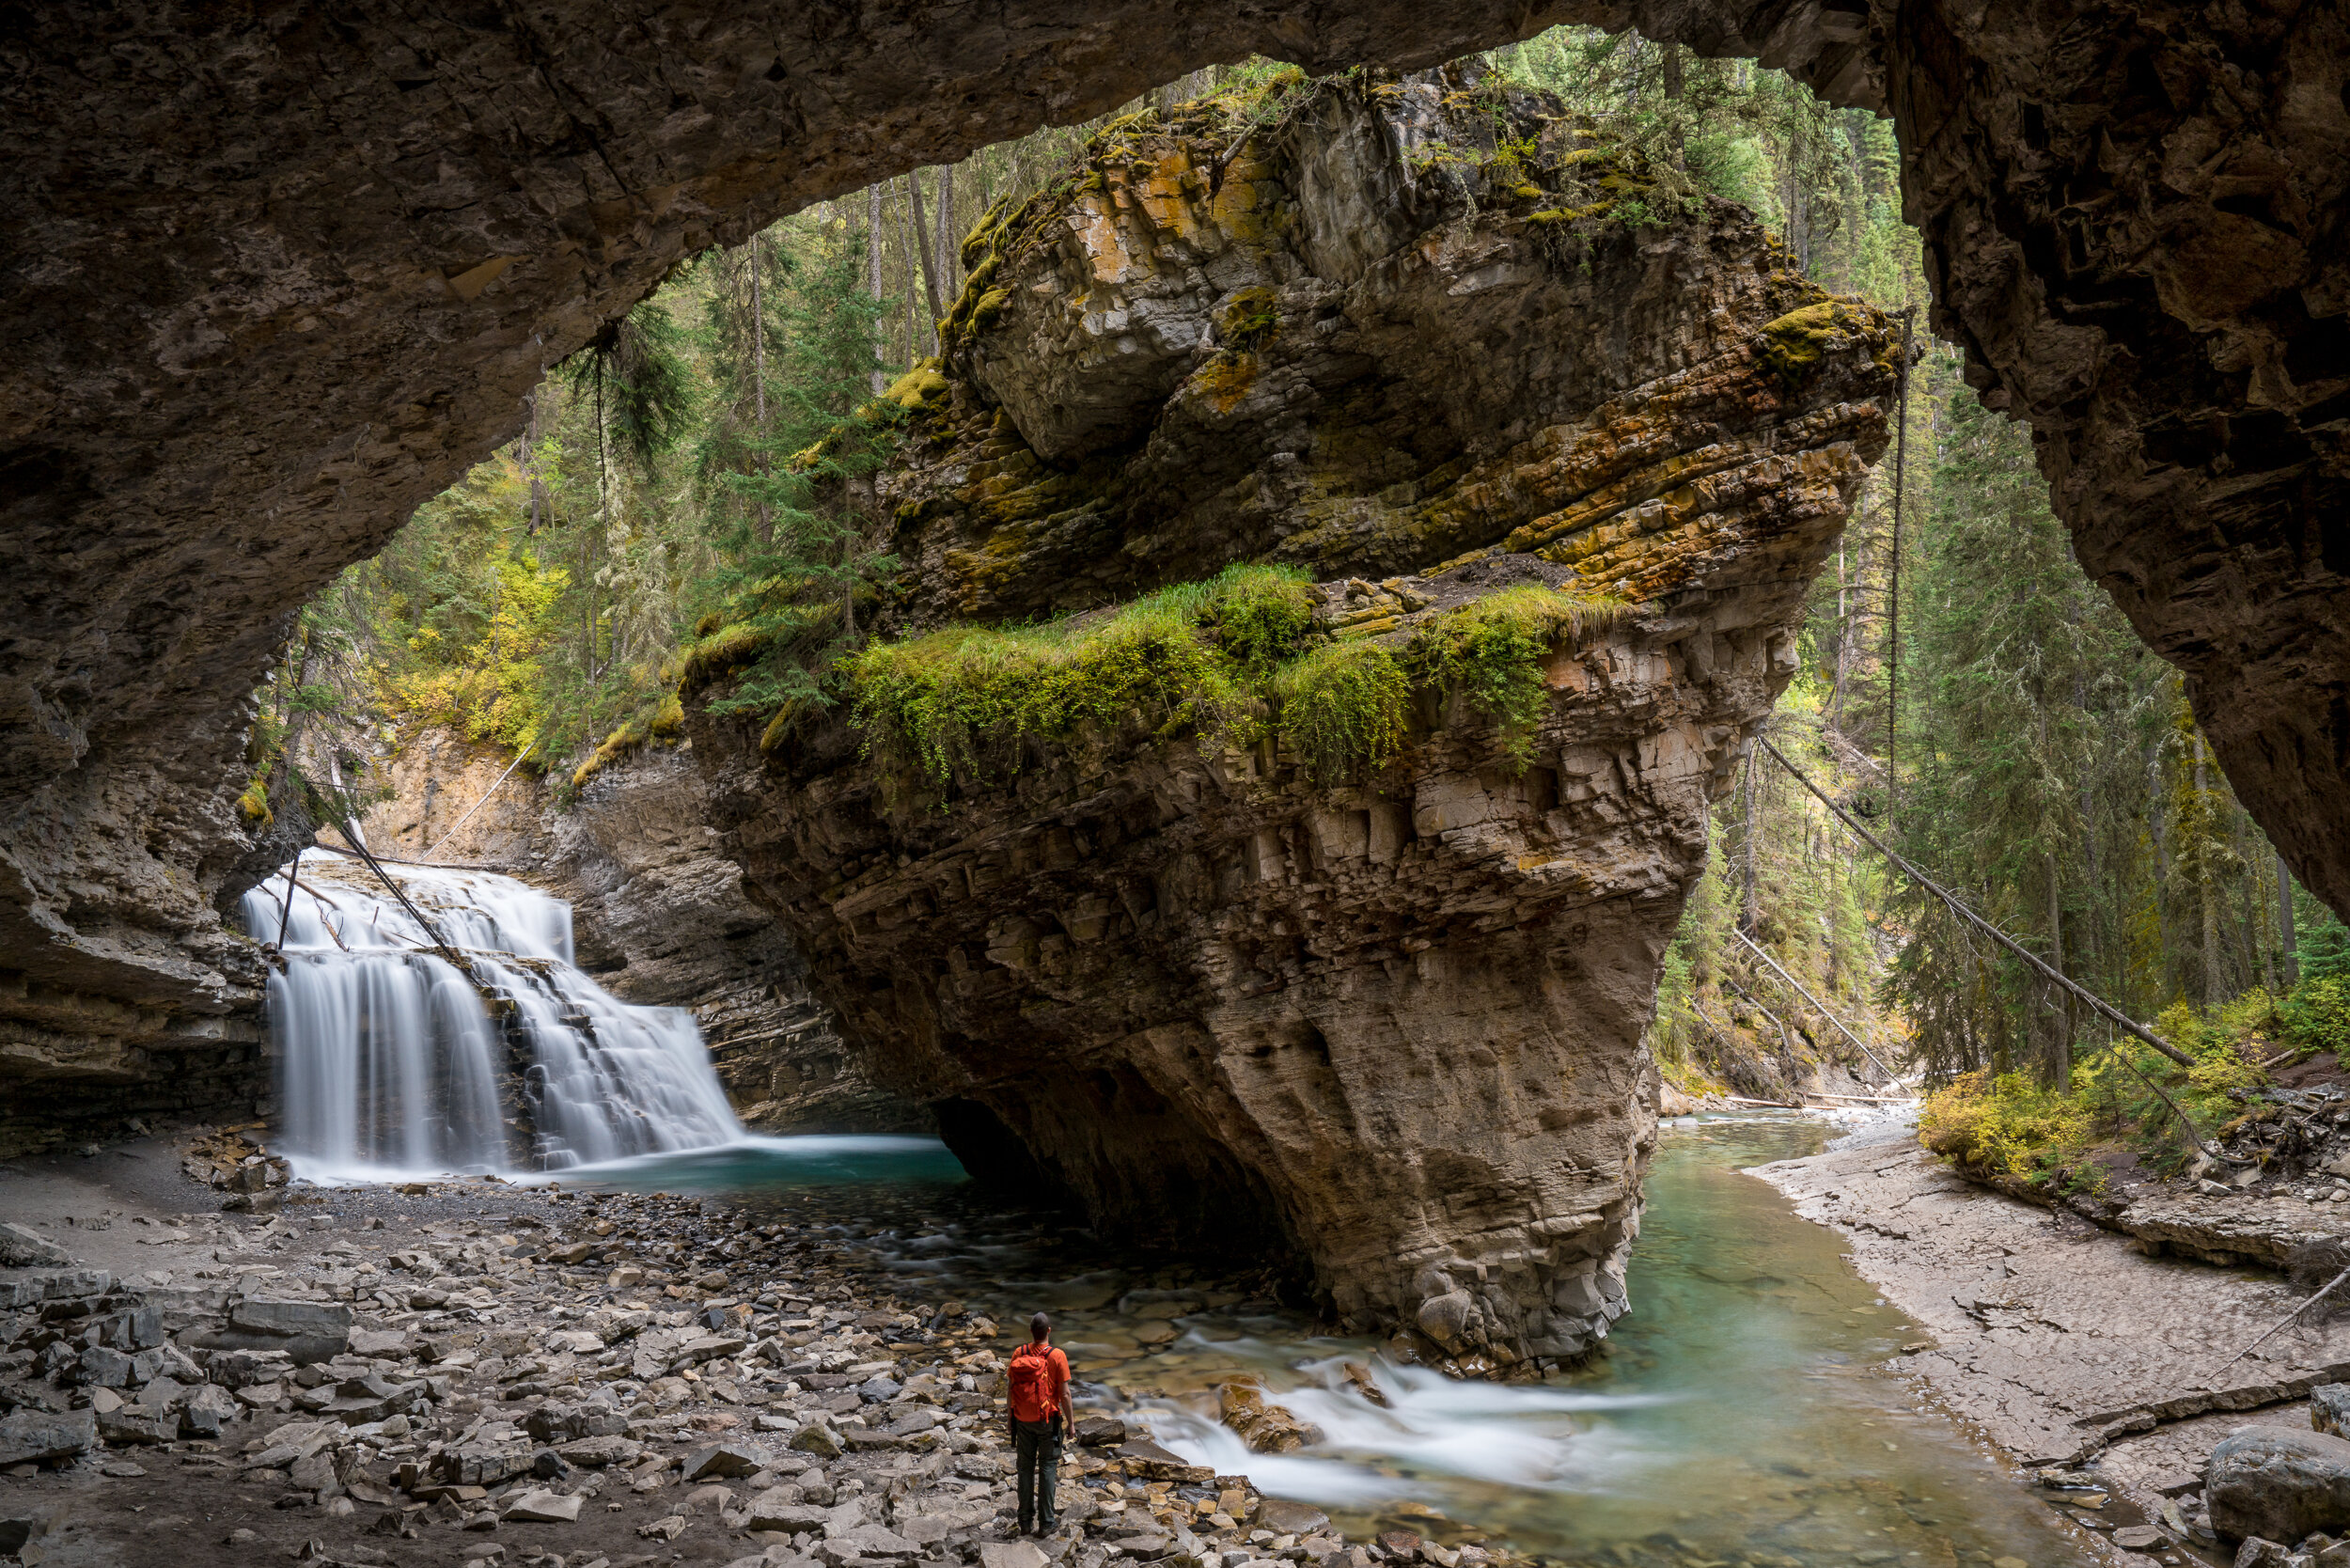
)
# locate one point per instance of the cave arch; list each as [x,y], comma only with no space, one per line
[276,275]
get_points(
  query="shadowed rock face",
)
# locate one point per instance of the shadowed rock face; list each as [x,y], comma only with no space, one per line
[1394,1028]
[271,279]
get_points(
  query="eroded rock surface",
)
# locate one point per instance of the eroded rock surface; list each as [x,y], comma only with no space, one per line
[1394,1028]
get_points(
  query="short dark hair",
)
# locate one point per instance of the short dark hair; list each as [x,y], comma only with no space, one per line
[1040,1328]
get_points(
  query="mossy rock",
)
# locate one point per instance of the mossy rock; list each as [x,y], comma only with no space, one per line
[1794,344]
[919,388]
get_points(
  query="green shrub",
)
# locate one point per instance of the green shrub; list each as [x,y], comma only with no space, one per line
[2317,1014]
[1343,706]
[2005,1124]
[1492,653]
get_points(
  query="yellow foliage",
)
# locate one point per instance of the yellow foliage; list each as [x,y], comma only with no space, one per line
[253,805]
[487,693]
[2006,1125]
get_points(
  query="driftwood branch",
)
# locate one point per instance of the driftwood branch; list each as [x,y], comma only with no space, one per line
[2274,1328]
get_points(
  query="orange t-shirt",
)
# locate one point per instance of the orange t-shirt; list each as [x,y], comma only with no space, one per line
[1039,1396]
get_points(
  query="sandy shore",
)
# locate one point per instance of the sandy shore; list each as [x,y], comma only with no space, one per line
[2061,1343]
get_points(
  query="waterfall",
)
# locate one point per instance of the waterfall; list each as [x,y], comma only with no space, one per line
[394,1062]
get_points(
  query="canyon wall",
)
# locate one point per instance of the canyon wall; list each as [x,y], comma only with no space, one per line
[271,280]
[1432,346]
[658,915]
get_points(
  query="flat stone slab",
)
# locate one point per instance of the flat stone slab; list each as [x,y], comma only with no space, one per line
[31,1435]
[1012,1554]
[543,1508]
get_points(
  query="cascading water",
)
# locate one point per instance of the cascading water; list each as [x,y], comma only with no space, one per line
[395,1062]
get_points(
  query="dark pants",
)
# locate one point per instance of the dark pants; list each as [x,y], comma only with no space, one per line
[1036,1445]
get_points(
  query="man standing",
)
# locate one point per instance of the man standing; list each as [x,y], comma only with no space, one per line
[1039,1381]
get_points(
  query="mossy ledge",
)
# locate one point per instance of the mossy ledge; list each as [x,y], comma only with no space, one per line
[1334,581]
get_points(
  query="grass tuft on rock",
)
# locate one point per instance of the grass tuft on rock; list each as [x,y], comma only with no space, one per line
[1231,658]
[1491,651]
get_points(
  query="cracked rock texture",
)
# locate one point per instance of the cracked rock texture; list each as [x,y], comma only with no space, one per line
[270,281]
[659,917]
[1395,1028]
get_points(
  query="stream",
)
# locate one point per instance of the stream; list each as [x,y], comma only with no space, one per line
[1736,1418]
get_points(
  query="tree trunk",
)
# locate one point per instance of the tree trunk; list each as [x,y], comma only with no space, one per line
[923,254]
[2055,957]
[2215,986]
[949,239]
[2284,924]
[1749,907]
[872,274]
[758,388]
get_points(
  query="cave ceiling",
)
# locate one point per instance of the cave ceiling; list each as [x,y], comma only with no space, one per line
[272,274]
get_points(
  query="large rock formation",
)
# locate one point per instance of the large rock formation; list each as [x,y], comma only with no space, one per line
[273,280]
[1394,1026]
[658,915]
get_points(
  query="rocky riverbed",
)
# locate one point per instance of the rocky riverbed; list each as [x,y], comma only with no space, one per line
[471,1372]
[2076,1347]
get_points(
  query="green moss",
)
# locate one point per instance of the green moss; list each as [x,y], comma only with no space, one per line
[253,804]
[966,699]
[1492,653]
[1343,705]
[663,721]
[1795,343]
[918,387]
[718,654]
[1248,319]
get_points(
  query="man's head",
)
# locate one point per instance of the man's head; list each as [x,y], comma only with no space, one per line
[1040,1328]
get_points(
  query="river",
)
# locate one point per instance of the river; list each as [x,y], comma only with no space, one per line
[1739,1416]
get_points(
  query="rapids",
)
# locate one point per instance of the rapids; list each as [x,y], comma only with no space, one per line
[394,1063]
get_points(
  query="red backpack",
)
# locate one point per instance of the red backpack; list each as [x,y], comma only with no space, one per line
[1032,1379]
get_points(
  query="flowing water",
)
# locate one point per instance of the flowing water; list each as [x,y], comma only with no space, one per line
[391,1065]
[1737,1416]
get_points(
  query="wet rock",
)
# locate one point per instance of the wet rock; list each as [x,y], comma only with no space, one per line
[2279,1483]
[1283,1517]
[2140,1538]
[1095,1432]
[1266,1428]
[29,1435]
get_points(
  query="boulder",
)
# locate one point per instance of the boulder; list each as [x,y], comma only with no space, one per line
[1266,1428]
[31,1435]
[2279,1483]
[819,1440]
[723,1459]
[2329,1406]
[306,1331]
[1283,1517]
[20,1247]
[790,1519]
[1095,1432]
[598,1452]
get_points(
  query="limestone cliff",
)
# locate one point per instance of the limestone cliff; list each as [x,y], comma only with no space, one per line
[1424,343]
[659,917]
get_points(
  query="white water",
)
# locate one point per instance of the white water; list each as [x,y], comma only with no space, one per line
[391,1064]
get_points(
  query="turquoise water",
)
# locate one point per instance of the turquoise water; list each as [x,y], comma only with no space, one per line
[1738,1417]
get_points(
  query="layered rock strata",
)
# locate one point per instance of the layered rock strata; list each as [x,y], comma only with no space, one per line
[1394,1028]
[659,916]
[276,282]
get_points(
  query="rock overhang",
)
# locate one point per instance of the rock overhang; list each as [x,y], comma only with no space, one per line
[1391,1024]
